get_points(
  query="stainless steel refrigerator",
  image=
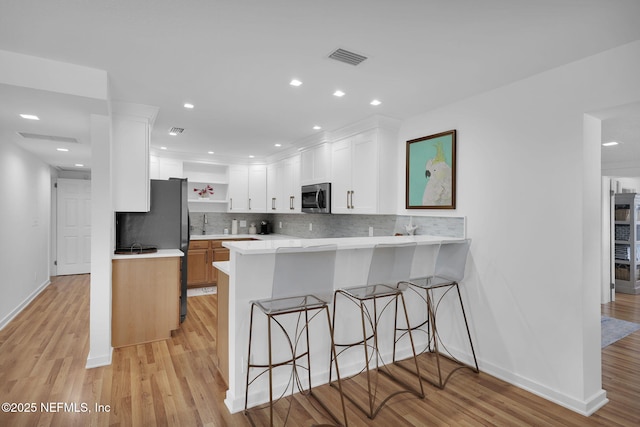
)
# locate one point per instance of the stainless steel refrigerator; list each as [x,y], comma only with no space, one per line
[165,226]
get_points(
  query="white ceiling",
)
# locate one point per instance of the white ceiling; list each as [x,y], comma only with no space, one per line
[234,61]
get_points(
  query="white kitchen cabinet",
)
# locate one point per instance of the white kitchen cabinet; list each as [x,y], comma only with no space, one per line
[283,186]
[257,188]
[364,173]
[247,188]
[238,188]
[154,167]
[130,137]
[272,187]
[290,185]
[165,168]
[315,165]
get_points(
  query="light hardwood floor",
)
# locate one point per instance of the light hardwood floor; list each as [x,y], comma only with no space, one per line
[43,352]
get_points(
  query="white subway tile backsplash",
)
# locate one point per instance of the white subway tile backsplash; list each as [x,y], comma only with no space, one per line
[329,225]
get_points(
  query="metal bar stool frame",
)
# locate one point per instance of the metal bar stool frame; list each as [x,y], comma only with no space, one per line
[445,277]
[310,306]
[373,292]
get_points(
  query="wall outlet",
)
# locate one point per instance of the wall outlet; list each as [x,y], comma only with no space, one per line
[310,227]
[370,231]
[243,223]
[280,224]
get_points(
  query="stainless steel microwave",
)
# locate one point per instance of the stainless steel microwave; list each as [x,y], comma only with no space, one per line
[316,198]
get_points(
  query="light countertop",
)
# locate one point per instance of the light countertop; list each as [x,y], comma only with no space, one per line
[255,247]
[222,266]
[161,253]
[240,236]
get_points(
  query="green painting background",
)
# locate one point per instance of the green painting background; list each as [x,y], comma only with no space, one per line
[419,153]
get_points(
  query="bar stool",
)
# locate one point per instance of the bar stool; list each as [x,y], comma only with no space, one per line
[449,271]
[388,272]
[302,285]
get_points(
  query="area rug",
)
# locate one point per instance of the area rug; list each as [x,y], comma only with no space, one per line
[616,329]
[196,292]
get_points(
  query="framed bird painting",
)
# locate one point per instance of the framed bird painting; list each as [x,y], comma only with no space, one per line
[431,172]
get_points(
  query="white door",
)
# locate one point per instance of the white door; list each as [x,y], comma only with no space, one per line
[341,176]
[258,188]
[74,226]
[364,174]
[293,202]
[272,187]
[238,188]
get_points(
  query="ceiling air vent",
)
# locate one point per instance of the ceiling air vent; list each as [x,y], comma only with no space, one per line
[347,57]
[176,131]
[28,135]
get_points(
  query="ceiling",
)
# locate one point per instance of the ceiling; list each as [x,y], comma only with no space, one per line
[234,62]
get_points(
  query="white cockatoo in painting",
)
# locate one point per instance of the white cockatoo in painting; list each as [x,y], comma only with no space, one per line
[438,175]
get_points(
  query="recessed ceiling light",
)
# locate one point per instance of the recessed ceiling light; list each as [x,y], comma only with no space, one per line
[251,156]
[375,102]
[29,117]
[610,144]
[172,133]
[79,165]
[295,82]
[163,148]
[62,149]
[338,93]
[188,105]
[277,145]
[209,152]
[316,127]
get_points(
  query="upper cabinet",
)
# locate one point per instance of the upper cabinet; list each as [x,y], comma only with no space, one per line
[315,164]
[283,186]
[364,178]
[130,178]
[247,188]
[165,168]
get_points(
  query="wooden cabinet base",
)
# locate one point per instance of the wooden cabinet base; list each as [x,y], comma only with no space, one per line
[201,255]
[145,300]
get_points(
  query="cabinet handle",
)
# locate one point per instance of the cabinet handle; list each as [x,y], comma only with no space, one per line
[291,198]
[230,204]
[348,192]
[352,192]
[249,204]
[273,203]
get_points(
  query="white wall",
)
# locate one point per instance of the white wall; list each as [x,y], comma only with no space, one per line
[25,191]
[102,220]
[529,185]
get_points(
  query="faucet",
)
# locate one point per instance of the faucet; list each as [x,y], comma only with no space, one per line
[205,221]
[410,228]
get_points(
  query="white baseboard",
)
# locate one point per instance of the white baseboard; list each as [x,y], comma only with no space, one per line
[586,407]
[98,361]
[9,317]
[582,407]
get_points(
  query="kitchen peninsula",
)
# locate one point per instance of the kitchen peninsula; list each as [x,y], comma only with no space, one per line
[250,272]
